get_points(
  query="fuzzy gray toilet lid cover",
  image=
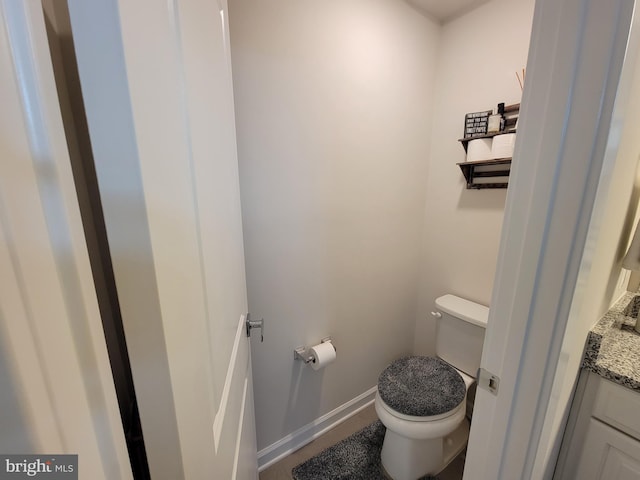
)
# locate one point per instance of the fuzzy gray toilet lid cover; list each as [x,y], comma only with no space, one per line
[421,386]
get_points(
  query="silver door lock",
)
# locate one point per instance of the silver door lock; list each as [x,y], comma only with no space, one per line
[250,324]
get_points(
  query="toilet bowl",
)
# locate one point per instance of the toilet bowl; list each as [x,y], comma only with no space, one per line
[422,401]
[418,445]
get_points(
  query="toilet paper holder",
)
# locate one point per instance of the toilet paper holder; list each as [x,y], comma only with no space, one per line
[302,353]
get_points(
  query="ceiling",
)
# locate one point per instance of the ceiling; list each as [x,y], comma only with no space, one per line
[445,10]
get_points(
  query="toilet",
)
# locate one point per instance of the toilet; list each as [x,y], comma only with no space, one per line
[422,401]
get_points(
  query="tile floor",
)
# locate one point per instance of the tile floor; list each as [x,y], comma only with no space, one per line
[282,469]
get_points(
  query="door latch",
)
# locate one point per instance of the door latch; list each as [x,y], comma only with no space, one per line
[251,324]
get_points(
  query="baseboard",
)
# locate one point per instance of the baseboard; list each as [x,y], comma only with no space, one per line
[304,435]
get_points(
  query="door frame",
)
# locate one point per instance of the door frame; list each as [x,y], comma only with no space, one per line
[58,395]
[575,60]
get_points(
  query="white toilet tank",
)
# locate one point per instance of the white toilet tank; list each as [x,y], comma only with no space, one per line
[460,332]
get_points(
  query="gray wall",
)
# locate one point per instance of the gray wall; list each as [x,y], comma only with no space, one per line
[479,55]
[333,108]
[355,214]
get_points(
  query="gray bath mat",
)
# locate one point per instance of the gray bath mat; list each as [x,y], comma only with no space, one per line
[355,458]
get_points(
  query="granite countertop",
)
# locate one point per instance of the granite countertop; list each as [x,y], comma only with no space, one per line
[613,345]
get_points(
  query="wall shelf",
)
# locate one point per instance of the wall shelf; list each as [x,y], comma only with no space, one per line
[493,173]
[485,173]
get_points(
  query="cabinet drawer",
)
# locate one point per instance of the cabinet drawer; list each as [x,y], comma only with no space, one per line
[619,407]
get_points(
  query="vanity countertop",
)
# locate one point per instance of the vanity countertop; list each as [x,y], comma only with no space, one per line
[613,346]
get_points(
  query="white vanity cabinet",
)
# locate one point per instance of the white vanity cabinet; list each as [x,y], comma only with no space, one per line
[608,454]
[603,433]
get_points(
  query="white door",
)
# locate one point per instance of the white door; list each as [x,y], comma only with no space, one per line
[156,82]
[575,59]
[56,389]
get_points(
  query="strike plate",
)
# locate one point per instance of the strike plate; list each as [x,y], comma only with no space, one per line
[488,381]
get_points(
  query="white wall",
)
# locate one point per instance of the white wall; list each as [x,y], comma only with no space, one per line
[479,55]
[601,279]
[333,105]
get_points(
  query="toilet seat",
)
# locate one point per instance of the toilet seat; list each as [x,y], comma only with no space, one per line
[418,388]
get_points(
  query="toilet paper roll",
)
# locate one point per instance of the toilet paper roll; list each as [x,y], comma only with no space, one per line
[479,149]
[503,145]
[323,354]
